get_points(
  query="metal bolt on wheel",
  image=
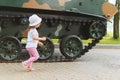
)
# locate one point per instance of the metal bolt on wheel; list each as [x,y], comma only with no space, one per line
[10,48]
[46,50]
[97,30]
[71,46]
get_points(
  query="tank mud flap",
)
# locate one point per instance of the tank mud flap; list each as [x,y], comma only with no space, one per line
[109,10]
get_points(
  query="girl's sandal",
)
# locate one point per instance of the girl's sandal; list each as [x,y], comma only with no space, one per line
[30,69]
[25,66]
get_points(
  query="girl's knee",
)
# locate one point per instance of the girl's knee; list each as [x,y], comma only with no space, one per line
[36,58]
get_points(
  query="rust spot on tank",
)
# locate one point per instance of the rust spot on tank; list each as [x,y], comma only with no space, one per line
[62,2]
[34,4]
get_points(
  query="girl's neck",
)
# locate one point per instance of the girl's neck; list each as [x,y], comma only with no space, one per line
[33,28]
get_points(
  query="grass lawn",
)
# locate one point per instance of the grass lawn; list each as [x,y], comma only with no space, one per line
[108,39]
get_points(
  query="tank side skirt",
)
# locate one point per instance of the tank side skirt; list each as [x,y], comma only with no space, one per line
[60,18]
[52,12]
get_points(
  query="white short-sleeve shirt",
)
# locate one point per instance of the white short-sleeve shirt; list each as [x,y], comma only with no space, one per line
[30,42]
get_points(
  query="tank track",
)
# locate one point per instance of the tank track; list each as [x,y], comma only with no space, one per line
[56,58]
[90,46]
[53,58]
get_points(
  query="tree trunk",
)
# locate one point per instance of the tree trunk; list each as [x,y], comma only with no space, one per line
[116,22]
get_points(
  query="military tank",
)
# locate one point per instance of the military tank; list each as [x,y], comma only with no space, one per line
[69,21]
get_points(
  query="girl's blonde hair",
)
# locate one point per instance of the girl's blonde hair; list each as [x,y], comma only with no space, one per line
[25,32]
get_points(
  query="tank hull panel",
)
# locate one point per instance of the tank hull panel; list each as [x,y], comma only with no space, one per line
[85,6]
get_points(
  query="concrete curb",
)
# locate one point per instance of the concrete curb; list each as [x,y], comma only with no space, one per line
[108,46]
[101,46]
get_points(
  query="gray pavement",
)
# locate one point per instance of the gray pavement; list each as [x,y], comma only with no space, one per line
[107,46]
[97,64]
[101,46]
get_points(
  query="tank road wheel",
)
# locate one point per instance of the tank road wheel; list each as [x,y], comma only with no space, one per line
[10,47]
[97,30]
[47,50]
[71,46]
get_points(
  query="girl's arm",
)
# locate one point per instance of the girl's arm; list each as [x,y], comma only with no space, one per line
[40,44]
[38,38]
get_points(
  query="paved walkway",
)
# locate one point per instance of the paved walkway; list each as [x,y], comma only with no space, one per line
[100,64]
[102,46]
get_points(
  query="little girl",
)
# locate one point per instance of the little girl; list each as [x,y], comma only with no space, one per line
[32,41]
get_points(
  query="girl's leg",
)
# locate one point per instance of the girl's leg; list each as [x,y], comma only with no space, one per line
[30,64]
[34,55]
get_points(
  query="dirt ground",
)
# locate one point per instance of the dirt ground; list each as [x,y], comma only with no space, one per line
[98,64]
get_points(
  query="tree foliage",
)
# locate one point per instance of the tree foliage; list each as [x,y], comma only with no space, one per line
[116,21]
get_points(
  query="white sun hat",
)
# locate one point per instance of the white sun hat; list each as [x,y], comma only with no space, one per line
[34,20]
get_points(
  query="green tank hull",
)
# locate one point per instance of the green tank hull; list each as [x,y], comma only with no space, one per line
[70,21]
[85,6]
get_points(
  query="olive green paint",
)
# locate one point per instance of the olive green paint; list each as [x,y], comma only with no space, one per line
[85,6]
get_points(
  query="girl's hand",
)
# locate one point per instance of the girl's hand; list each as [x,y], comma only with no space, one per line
[40,44]
[44,38]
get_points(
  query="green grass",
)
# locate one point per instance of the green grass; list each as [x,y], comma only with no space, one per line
[108,39]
